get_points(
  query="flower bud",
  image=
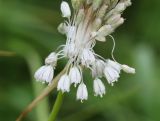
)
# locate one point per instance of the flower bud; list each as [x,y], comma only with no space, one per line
[65,9]
[105,30]
[118,23]
[62,28]
[113,19]
[128,69]
[100,38]
[51,59]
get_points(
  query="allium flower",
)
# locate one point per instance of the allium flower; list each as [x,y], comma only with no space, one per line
[75,75]
[82,93]
[64,83]
[99,88]
[44,74]
[90,21]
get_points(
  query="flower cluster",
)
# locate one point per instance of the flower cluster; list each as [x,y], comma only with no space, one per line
[91,21]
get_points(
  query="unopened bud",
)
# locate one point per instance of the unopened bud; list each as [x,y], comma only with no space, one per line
[113,19]
[105,30]
[62,28]
[100,38]
[128,69]
[65,9]
[118,23]
[51,59]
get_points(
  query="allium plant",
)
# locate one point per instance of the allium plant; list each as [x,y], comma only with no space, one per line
[90,21]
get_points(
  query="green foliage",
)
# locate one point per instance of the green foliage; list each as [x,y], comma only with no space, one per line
[28,32]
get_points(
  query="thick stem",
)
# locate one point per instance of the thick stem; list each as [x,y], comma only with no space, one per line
[56,107]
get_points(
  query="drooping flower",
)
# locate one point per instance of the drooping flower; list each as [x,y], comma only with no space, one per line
[44,74]
[75,75]
[90,21]
[82,93]
[112,71]
[99,88]
[64,83]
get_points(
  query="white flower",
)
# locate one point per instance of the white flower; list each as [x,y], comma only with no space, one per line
[44,74]
[91,22]
[70,50]
[114,65]
[51,59]
[75,75]
[65,9]
[64,83]
[99,88]
[87,57]
[98,68]
[82,93]
[128,69]
[112,71]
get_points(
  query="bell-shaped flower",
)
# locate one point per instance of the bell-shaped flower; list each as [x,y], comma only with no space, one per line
[44,74]
[82,93]
[112,71]
[64,83]
[75,75]
[87,57]
[98,87]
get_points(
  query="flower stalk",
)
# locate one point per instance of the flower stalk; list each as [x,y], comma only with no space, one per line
[56,107]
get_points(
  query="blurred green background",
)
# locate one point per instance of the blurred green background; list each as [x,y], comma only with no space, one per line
[28,32]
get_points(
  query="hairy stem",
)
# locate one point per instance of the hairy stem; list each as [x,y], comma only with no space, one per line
[56,107]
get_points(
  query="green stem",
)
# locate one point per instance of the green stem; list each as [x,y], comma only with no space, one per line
[56,107]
